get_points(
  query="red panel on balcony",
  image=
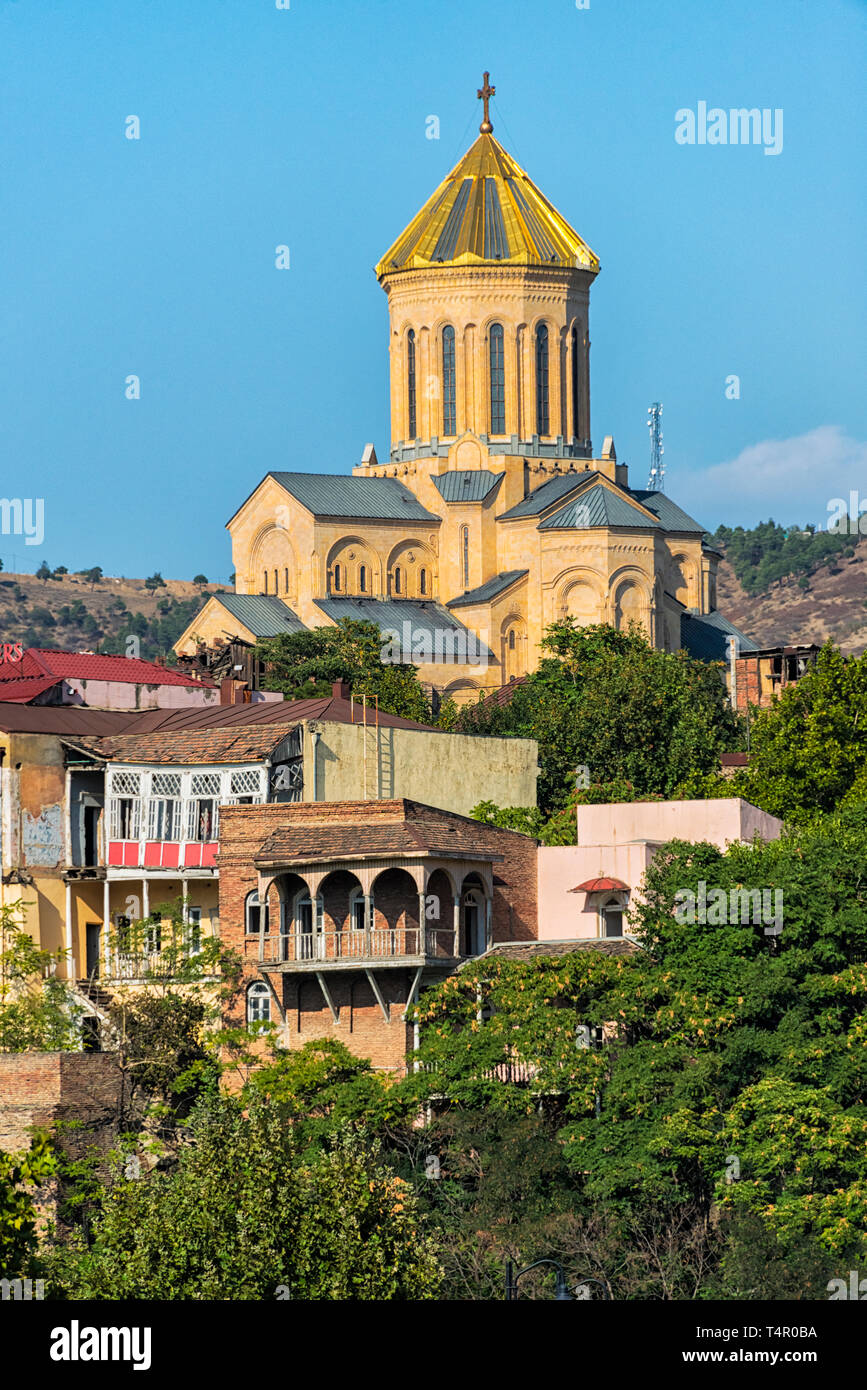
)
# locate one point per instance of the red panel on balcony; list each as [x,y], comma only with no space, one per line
[171,852]
[193,857]
[152,854]
[130,854]
[115,852]
[209,855]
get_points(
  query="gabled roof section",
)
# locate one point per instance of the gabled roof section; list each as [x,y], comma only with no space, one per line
[424,619]
[467,484]
[374,499]
[264,615]
[487,591]
[599,506]
[23,689]
[93,666]
[555,490]
[182,747]
[487,210]
[673,517]
[703,636]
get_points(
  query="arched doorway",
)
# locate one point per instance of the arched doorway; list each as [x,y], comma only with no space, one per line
[473,916]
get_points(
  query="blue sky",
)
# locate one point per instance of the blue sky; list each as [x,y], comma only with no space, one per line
[306,127]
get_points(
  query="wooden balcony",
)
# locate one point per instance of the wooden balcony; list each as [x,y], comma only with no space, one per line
[341,950]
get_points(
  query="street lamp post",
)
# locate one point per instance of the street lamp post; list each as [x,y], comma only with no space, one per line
[561,1295]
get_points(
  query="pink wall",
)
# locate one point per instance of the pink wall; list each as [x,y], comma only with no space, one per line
[619,841]
[127,695]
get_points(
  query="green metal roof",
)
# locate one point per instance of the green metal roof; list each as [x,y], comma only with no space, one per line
[673,517]
[704,636]
[391,614]
[262,614]
[549,493]
[467,484]
[598,506]
[334,494]
[487,591]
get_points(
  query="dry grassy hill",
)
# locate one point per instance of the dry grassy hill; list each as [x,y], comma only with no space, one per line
[835,606]
[71,613]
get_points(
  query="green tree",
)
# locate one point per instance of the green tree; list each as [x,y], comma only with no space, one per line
[19,1174]
[155,581]
[607,702]
[241,1216]
[44,572]
[37,1010]
[304,664]
[808,752]
[200,579]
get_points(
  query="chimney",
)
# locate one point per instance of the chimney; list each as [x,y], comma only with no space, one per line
[232,692]
[340,690]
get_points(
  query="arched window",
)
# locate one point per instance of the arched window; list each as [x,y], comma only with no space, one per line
[542,415]
[498,380]
[397,580]
[253,911]
[465,555]
[448,380]
[410,381]
[612,917]
[362,578]
[337,576]
[422,581]
[286,580]
[276,589]
[265,587]
[512,640]
[310,942]
[258,1003]
[576,381]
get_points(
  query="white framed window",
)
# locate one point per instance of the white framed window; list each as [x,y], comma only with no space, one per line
[153,935]
[164,818]
[253,910]
[258,1003]
[124,817]
[203,818]
[245,785]
[611,917]
[356,909]
[126,783]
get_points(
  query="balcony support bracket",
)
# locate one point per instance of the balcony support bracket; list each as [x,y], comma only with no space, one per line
[326,994]
[413,991]
[374,985]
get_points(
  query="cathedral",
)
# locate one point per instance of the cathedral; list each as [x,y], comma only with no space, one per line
[492,515]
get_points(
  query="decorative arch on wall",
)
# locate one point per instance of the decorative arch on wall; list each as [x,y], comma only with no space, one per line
[412,570]
[462,691]
[353,569]
[271,552]
[683,579]
[513,647]
[581,595]
[629,600]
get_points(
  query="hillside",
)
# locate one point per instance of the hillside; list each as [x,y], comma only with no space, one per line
[834,605]
[71,613]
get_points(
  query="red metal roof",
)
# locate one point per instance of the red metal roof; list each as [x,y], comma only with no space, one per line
[601,885]
[91,666]
[20,689]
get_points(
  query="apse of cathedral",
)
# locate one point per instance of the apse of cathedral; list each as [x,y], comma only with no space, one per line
[492,515]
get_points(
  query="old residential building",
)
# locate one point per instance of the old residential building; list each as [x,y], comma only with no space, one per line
[104,815]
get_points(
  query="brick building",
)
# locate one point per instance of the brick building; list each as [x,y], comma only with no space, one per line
[343,912]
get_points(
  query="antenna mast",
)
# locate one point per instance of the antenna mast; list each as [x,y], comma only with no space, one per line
[656,481]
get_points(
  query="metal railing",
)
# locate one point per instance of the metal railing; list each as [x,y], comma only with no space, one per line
[376,943]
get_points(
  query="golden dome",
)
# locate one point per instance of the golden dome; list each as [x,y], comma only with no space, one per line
[487,211]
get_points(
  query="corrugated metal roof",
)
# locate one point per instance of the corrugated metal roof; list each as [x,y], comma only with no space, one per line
[704,636]
[333,494]
[467,484]
[487,210]
[673,517]
[94,666]
[24,688]
[264,615]
[598,506]
[391,614]
[485,592]
[549,493]
[63,719]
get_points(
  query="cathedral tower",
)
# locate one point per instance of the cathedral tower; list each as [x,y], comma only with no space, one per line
[488,295]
